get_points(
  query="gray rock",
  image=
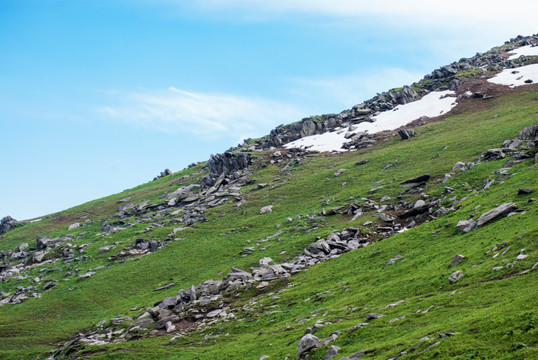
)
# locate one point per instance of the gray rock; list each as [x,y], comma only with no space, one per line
[7,223]
[524,191]
[87,275]
[386,217]
[406,134]
[372,316]
[498,212]
[307,343]
[394,259]
[339,172]
[417,181]
[105,249]
[466,225]
[215,313]
[494,154]
[333,351]
[266,209]
[459,166]
[170,327]
[455,276]
[73,226]
[456,260]
[355,356]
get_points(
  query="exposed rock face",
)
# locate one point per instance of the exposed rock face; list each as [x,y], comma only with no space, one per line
[224,164]
[227,162]
[7,223]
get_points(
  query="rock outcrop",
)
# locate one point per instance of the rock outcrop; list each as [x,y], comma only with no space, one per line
[7,223]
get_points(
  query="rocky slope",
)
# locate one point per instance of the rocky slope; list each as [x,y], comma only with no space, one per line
[359,253]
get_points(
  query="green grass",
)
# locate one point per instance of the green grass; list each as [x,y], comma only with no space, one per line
[494,314]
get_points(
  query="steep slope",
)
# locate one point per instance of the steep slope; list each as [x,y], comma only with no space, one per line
[135,249]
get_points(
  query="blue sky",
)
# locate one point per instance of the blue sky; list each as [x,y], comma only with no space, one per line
[100,96]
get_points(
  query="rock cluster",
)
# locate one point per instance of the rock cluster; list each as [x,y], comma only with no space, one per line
[164,173]
[444,77]
[7,223]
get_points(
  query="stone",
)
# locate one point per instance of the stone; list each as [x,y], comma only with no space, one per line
[214,313]
[456,260]
[465,225]
[7,223]
[419,204]
[524,191]
[394,259]
[87,275]
[170,327]
[307,343]
[333,351]
[406,134]
[386,217]
[372,316]
[455,276]
[105,249]
[459,166]
[415,182]
[73,226]
[494,154]
[266,209]
[494,214]
[339,172]
[375,189]
[355,356]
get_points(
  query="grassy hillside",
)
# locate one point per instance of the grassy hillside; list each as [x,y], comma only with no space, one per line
[489,314]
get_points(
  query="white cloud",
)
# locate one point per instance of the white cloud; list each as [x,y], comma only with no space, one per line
[517,16]
[416,8]
[204,115]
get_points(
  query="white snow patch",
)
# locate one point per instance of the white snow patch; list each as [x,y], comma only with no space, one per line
[431,105]
[517,76]
[528,50]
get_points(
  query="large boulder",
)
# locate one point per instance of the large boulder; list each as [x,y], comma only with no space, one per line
[498,212]
[308,343]
[7,223]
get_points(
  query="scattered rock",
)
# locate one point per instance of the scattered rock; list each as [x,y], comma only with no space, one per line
[331,352]
[406,134]
[339,172]
[308,343]
[466,225]
[524,191]
[372,316]
[266,209]
[386,218]
[455,276]
[456,260]
[417,181]
[73,226]
[394,259]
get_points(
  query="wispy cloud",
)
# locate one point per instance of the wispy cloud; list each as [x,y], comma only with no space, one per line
[456,15]
[352,8]
[208,116]
[348,90]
